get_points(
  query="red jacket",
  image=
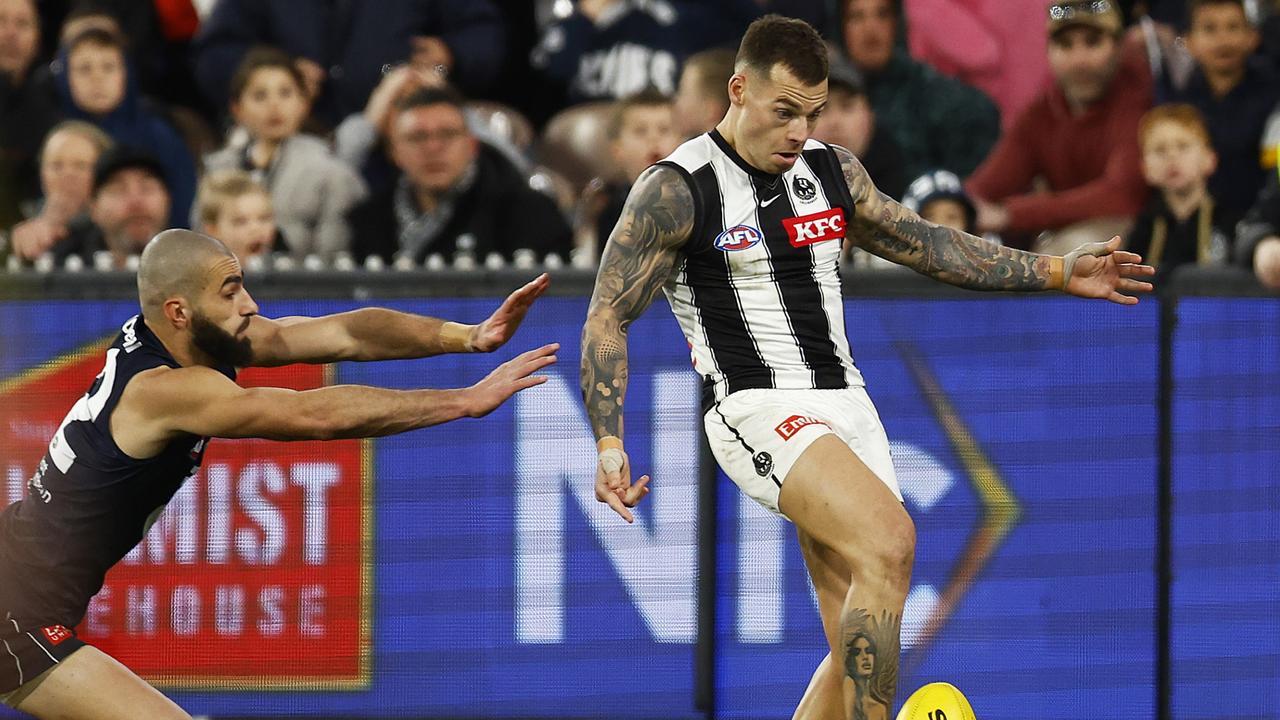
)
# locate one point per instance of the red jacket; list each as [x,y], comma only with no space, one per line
[1091,163]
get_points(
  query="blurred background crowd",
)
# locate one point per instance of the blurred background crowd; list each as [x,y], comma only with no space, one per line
[482,133]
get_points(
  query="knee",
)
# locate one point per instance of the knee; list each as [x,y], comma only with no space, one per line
[888,553]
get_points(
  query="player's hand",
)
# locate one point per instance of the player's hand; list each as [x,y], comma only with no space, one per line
[503,323]
[1103,270]
[613,483]
[510,378]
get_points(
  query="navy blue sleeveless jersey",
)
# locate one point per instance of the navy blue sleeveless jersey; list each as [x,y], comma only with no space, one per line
[88,503]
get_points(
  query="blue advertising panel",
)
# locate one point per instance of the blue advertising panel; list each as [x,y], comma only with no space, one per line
[1226,509]
[1023,435]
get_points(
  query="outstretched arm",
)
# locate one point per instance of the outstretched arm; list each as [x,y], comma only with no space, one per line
[886,228]
[655,222]
[161,404]
[381,334]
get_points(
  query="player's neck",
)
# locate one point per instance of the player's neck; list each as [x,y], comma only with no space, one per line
[179,347]
[727,130]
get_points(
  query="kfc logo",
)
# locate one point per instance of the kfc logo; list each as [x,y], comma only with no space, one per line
[56,634]
[816,228]
[788,428]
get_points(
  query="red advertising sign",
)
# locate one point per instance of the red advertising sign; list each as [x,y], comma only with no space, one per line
[257,574]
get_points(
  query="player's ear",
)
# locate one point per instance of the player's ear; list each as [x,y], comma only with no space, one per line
[737,89]
[177,312]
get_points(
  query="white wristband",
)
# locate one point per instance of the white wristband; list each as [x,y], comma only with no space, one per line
[612,460]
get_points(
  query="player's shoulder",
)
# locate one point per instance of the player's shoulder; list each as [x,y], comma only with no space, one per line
[816,144]
[692,154]
[166,385]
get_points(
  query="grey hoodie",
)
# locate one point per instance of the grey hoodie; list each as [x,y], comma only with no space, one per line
[311,189]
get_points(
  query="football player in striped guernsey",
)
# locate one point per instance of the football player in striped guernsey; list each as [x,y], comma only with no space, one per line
[742,229]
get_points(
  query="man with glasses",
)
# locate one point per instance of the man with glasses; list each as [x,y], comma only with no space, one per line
[455,196]
[1080,137]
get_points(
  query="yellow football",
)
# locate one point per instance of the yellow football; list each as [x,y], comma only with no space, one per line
[936,701]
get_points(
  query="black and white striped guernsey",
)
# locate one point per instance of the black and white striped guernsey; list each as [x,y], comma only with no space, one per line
[757,288]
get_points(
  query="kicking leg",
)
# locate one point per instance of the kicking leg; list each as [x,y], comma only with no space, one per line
[835,500]
[91,685]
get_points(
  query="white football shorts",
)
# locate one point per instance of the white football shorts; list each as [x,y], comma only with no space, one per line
[757,435]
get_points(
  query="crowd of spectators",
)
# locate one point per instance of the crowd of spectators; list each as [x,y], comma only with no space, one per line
[433,133]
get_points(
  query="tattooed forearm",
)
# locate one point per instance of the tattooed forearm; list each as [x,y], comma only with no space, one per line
[885,228]
[641,251]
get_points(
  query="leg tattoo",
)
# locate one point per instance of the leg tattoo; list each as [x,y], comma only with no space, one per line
[871,661]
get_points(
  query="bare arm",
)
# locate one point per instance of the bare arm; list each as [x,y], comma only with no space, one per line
[161,404]
[885,228]
[655,222]
[381,334]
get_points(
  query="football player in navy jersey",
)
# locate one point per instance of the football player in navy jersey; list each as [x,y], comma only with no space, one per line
[167,385]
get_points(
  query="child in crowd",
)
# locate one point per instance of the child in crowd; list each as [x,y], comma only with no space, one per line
[1182,223]
[939,197]
[97,86]
[310,188]
[642,131]
[1235,91]
[236,209]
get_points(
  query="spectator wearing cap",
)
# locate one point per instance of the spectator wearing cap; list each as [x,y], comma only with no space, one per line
[28,106]
[1079,139]
[1235,93]
[937,121]
[850,121]
[67,159]
[939,197]
[97,86]
[455,196]
[344,47]
[129,206]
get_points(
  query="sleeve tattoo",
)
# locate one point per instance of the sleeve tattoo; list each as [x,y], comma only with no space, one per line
[656,221]
[886,228]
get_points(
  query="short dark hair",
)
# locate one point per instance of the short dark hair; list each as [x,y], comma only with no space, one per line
[98,37]
[774,39]
[649,97]
[264,56]
[1194,6]
[426,97]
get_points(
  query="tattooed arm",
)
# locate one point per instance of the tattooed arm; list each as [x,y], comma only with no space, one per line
[656,221]
[886,228]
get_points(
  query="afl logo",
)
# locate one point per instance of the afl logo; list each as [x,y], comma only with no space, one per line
[740,237]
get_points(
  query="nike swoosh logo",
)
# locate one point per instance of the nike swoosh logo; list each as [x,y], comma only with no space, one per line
[769,202]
